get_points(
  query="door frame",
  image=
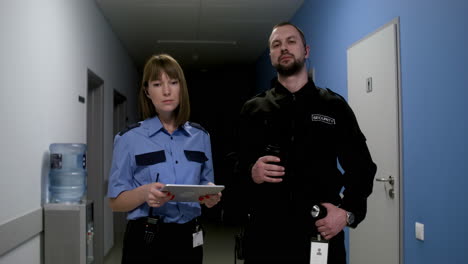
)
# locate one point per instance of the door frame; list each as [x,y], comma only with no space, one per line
[95,158]
[120,120]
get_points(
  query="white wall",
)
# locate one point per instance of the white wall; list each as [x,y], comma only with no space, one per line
[46,48]
[26,253]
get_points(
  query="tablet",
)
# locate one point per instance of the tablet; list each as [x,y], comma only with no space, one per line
[191,193]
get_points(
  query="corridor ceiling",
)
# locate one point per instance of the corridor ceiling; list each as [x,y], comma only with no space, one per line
[200,34]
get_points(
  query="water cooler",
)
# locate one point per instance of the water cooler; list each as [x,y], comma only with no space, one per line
[68,216]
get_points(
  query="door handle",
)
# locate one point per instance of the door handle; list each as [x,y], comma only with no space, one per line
[389,180]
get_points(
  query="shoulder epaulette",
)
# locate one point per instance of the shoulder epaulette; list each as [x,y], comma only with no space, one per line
[262,94]
[196,125]
[336,94]
[130,127]
[330,91]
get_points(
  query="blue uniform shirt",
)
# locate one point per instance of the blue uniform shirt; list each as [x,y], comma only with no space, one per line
[143,152]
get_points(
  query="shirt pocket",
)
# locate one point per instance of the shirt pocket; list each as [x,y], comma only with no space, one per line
[320,138]
[195,156]
[146,163]
[150,158]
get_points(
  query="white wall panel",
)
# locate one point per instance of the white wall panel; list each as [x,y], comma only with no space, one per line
[46,48]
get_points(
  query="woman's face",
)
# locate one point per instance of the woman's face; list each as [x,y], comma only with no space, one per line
[164,94]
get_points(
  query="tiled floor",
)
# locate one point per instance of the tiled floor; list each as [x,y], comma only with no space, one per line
[115,254]
[218,245]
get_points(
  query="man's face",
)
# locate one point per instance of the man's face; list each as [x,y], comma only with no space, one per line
[287,51]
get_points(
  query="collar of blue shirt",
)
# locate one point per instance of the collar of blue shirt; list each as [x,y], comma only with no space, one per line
[153,125]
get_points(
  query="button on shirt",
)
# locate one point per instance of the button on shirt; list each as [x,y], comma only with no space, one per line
[146,151]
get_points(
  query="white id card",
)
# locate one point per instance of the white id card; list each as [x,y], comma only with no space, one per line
[197,238]
[318,252]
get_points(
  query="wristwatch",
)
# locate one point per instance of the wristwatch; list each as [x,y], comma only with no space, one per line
[349,218]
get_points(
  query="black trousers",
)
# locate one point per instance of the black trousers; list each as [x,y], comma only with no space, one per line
[173,243]
[287,245]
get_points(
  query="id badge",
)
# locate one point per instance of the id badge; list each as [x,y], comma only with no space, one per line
[318,250]
[197,237]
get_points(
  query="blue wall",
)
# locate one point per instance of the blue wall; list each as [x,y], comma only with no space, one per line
[434,68]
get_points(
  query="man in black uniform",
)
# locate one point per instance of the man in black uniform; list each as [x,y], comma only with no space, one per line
[291,139]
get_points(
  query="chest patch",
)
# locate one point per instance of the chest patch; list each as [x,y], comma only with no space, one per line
[323,118]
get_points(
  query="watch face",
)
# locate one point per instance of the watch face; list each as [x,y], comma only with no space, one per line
[350,219]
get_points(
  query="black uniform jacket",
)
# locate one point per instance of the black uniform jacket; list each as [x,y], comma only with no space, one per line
[314,129]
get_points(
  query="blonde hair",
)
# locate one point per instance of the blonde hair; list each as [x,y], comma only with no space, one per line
[154,68]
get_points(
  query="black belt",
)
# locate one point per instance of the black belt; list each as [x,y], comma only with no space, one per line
[150,229]
[143,220]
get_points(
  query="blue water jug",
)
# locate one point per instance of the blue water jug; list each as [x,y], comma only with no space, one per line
[67,176]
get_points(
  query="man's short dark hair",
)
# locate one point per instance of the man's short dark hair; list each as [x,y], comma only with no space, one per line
[286,23]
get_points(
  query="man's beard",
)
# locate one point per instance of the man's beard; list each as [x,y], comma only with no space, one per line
[290,70]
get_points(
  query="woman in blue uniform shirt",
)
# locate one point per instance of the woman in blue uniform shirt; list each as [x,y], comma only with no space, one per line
[164,148]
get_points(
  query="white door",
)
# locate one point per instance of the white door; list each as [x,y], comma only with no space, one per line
[373,94]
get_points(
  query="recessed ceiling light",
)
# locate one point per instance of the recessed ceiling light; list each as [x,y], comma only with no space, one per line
[194,41]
